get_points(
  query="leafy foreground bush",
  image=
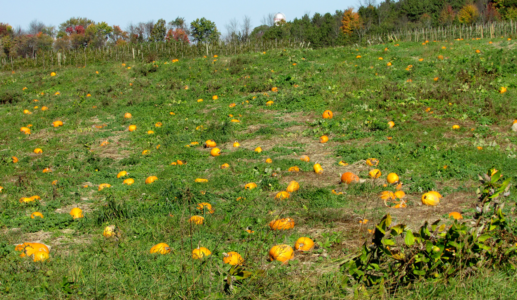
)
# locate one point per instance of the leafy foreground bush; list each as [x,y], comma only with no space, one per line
[398,257]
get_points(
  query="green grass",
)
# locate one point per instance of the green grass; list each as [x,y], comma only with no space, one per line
[364,94]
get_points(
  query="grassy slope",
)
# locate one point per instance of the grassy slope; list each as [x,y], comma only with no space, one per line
[363,93]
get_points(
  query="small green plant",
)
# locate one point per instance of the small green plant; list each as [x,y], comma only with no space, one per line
[397,256]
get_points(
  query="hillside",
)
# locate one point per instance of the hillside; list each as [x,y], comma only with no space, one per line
[273,100]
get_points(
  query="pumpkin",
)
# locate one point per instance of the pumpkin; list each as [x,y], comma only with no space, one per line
[305,158]
[232,105]
[225,166]
[324,139]
[127,116]
[389,64]
[236,145]
[274,89]
[131,128]
[200,252]
[122,174]
[342,163]
[294,169]
[269,161]
[29,249]
[158,124]
[250,186]
[349,177]
[392,178]
[282,253]
[438,195]
[47,170]
[109,231]
[160,248]
[150,179]
[248,230]
[282,195]
[36,214]
[104,143]
[204,205]
[210,144]
[146,152]
[258,149]
[52,74]
[478,51]
[327,114]
[128,181]
[455,215]
[232,258]
[502,90]
[430,199]
[318,169]
[269,103]
[391,124]
[76,213]
[26,199]
[215,152]
[27,112]
[282,224]
[304,244]
[104,185]
[57,123]
[375,173]
[293,187]
[386,196]
[25,130]
[44,108]
[372,162]
[14,159]
[198,220]
[40,256]
[399,194]
[455,127]
[201,180]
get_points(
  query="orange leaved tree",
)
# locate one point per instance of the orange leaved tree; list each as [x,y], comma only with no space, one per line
[351,22]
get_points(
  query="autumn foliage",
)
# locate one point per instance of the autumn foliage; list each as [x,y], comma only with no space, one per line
[350,22]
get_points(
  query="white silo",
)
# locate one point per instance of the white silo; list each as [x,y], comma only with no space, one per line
[279,17]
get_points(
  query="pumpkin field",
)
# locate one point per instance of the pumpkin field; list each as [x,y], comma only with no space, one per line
[291,173]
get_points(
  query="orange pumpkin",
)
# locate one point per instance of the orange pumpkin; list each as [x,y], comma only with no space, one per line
[36,214]
[305,158]
[198,220]
[349,177]
[200,252]
[282,253]
[372,162]
[294,169]
[282,195]
[215,152]
[76,213]
[160,248]
[128,181]
[304,244]
[293,187]
[282,224]
[150,179]
[393,178]
[225,166]
[327,114]
[318,169]
[250,186]
[204,205]
[375,173]
[324,139]
[132,128]
[455,215]
[127,116]
[232,258]
[210,144]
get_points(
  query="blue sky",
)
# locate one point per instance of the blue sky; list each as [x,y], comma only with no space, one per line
[122,13]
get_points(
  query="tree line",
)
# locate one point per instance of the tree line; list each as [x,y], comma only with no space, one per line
[319,30]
